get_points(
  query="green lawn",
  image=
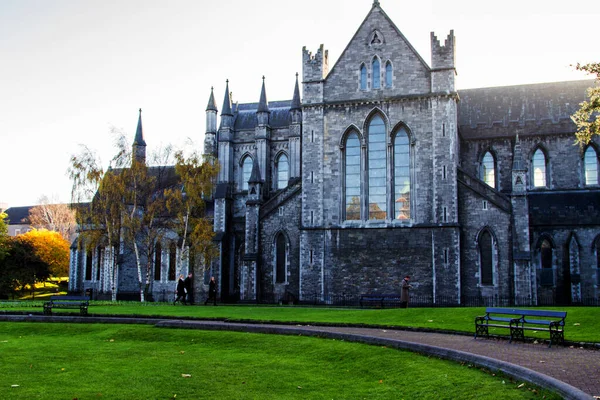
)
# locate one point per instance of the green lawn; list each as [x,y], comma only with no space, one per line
[86,361]
[582,323]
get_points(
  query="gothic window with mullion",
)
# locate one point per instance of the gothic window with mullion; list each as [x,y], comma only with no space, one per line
[377,169]
[401,175]
[247,164]
[352,171]
[590,166]
[539,169]
[488,169]
[282,166]
[376,73]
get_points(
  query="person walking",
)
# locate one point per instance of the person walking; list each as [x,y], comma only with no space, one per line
[212,291]
[404,294]
[189,290]
[180,291]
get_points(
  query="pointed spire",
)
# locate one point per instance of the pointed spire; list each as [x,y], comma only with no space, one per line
[518,164]
[263,105]
[139,133]
[227,101]
[211,102]
[255,175]
[296,98]
[376,3]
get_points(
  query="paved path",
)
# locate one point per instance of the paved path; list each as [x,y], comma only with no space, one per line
[575,366]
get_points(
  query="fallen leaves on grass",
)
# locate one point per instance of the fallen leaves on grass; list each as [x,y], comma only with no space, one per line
[186,375]
[576,324]
[521,385]
[14,386]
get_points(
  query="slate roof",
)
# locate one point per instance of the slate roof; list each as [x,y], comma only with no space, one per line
[18,215]
[564,208]
[543,108]
[279,117]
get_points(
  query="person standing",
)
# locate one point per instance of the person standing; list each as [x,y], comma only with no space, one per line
[404,294]
[212,291]
[189,290]
[180,291]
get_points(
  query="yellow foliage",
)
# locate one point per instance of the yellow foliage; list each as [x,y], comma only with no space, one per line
[51,248]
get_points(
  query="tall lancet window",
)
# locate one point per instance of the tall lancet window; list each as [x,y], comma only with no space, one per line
[377,159]
[590,164]
[363,77]
[247,165]
[352,177]
[539,169]
[388,74]
[488,169]
[376,73]
[486,258]
[282,171]
[401,176]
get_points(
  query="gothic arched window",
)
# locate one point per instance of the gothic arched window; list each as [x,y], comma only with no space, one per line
[363,77]
[376,73]
[486,257]
[590,165]
[172,261]
[283,169]
[281,259]
[377,174]
[401,176]
[157,261]
[352,177]
[546,254]
[488,169]
[88,265]
[388,74]
[539,169]
[247,165]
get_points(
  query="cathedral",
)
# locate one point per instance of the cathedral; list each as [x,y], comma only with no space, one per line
[377,168]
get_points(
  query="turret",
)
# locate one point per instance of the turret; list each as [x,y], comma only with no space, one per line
[295,132]
[443,66]
[139,144]
[262,113]
[226,114]
[210,138]
[315,69]
[519,171]
[255,183]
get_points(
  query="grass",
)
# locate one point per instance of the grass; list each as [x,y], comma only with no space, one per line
[84,361]
[582,323]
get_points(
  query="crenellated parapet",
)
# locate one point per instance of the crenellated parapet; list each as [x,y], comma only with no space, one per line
[443,56]
[315,66]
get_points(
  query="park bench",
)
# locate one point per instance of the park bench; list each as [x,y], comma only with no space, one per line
[380,300]
[519,320]
[80,302]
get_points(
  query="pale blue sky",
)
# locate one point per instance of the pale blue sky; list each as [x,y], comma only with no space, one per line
[71,69]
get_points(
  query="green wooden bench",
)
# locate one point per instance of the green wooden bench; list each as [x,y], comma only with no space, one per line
[519,320]
[80,302]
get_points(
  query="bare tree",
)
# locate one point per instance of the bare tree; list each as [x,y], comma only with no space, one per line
[53,216]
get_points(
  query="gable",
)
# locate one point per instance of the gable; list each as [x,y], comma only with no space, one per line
[377,37]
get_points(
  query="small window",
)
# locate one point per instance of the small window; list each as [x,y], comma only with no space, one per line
[17,232]
[376,73]
[157,262]
[388,74]
[281,211]
[363,77]
[590,163]
[539,169]
[488,170]
[485,205]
